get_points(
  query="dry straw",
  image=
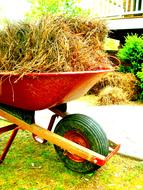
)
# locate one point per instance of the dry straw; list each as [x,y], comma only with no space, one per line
[125,81]
[53,44]
[112,95]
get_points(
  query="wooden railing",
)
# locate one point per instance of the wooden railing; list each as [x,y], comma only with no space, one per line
[119,8]
[133,7]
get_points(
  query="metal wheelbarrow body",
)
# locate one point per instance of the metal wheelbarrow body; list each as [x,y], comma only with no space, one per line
[79,141]
[37,91]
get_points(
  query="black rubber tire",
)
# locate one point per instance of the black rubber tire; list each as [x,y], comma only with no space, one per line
[91,131]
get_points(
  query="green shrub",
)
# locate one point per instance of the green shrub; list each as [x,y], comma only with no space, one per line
[140,76]
[59,7]
[131,54]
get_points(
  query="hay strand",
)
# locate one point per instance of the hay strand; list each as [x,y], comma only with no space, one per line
[112,96]
[53,44]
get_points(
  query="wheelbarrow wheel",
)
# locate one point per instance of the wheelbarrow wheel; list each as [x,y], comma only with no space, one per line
[62,108]
[82,130]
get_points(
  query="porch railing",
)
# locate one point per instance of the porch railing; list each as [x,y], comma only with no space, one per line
[119,8]
[133,7]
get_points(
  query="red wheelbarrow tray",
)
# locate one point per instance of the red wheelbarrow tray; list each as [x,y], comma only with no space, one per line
[36,91]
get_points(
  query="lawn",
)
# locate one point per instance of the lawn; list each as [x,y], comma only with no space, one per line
[33,166]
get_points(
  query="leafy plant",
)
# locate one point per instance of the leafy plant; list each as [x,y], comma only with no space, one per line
[140,76]
[131,54]
[44,7]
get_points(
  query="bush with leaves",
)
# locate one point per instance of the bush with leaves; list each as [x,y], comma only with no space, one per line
[140,76]
[44,7]
[131,54]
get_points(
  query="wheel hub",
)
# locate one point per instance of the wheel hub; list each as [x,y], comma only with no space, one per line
[78,138]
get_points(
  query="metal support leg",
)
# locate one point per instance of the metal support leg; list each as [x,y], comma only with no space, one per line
[7,128]
[51,123]
[8,145]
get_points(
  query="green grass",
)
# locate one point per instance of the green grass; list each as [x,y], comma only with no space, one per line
[33,166]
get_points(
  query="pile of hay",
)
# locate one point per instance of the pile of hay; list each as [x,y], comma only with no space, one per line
[53,44]
[125,81]
[112,95]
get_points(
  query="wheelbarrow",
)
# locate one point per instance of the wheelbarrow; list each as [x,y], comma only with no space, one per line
[79,140]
